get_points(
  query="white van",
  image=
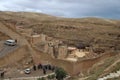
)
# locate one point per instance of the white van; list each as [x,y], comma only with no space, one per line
[27,71]
[10,42]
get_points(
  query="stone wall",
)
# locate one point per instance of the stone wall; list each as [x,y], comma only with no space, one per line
[36,38]
[73,68]
[84,66]
[62,52]
[66,65]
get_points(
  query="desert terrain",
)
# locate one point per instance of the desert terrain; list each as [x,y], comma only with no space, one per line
[84,38]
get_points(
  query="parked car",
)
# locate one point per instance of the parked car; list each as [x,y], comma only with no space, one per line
[27,71]
[10,42]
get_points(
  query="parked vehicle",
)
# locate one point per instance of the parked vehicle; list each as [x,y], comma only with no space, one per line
[27,71]
[10,42]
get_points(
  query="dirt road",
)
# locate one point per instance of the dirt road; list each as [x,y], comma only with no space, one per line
[20,39]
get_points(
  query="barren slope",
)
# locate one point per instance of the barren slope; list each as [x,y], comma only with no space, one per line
[100,34]
[96,32]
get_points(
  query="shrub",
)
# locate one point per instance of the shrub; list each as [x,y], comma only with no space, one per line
[98,50]
[51,76]
[41,78]
[60,73]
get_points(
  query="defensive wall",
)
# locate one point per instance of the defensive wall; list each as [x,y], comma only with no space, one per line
[73,68]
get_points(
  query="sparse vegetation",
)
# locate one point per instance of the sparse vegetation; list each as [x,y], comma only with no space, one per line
[50,77]
[98,50]
[60,74]
[114,78]
[91,31]
[98,70]
[116,67]
[41,78]
[99,34]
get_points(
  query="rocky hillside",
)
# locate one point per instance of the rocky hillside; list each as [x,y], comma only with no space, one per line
[3,36]
[101,34]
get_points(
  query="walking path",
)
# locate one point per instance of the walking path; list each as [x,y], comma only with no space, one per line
[111,76]
[83,78]
[111,66]
[29,78]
